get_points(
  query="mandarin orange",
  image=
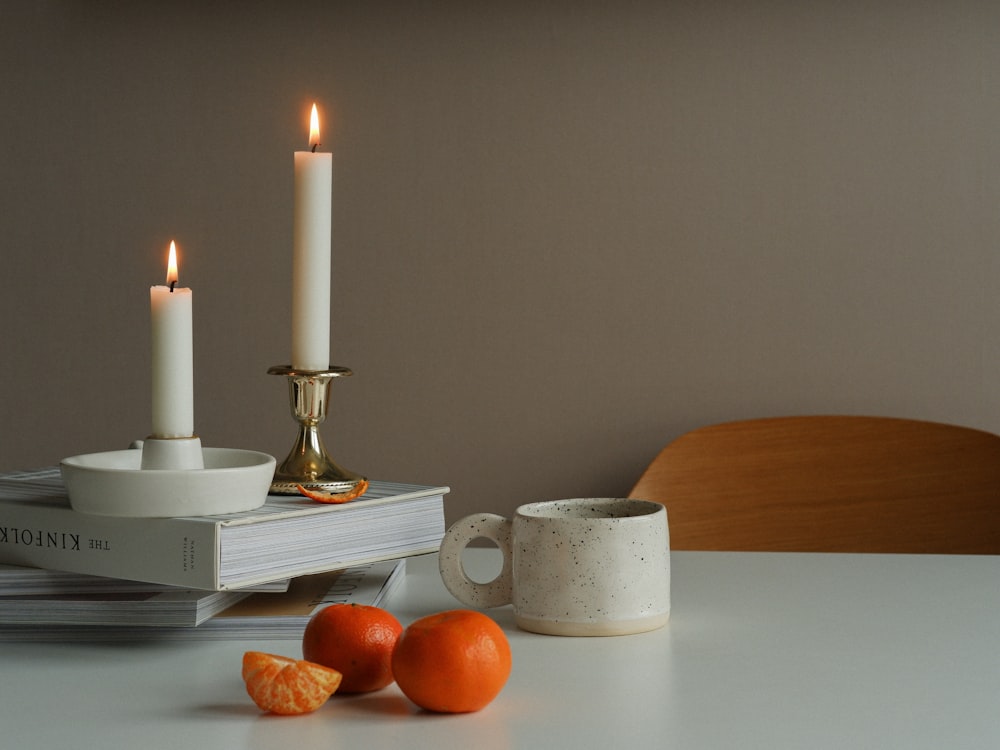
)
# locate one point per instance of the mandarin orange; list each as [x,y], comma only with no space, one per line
[356,640]
[287,686]
[452,662]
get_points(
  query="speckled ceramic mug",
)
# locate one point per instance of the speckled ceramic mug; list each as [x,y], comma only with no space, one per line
[587,566]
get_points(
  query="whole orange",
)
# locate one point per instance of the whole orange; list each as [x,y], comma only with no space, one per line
[356,640]
[452,662]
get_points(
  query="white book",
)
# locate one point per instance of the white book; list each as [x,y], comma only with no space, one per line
[20,580]
[288,536]
[259,616]
[285,615]
[177,607]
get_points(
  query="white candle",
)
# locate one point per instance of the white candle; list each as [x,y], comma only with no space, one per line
[173,357]
[311,256]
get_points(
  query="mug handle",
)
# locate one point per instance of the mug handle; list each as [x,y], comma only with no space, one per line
[494,593]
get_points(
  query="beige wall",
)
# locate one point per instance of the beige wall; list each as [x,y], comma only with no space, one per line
[563,232]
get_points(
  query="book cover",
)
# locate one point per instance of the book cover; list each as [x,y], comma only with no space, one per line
[267,615]
[288,536]
[279,615]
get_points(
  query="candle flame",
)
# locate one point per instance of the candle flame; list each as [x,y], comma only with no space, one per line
[172,266]
[314,128]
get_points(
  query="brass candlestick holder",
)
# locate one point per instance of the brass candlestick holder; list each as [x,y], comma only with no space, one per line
[308,464]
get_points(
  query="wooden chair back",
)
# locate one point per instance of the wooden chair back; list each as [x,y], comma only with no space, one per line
[830,484]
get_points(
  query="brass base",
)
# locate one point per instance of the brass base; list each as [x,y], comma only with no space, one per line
[308,463]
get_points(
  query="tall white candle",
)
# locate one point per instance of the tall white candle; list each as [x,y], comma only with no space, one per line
[173,356]
[311,255]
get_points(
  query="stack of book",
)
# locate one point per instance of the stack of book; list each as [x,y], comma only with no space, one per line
[260,573]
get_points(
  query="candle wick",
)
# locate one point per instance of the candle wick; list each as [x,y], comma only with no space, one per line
[172,283]
[314,147]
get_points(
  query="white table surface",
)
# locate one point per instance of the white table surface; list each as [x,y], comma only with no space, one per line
[762,651]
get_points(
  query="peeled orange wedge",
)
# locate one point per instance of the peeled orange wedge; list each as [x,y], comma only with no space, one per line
[287,686]
[334,497]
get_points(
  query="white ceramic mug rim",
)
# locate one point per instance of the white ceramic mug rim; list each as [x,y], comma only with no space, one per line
[638,509]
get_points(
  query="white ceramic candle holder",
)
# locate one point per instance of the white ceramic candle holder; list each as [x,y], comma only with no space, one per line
[308,463]
[172,453]
[119,483]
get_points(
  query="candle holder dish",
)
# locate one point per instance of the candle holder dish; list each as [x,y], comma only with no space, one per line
[308,463]
[115,483]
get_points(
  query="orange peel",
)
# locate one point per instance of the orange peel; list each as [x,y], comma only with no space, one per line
[335,498]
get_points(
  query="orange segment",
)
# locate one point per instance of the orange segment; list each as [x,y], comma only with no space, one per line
[320,496]
[287,686]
